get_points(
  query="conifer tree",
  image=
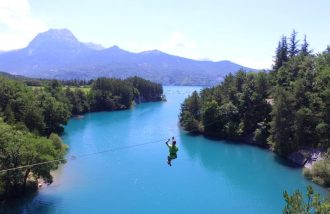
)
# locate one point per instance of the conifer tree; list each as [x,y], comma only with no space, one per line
[293,46]
[281,53]
[304,48]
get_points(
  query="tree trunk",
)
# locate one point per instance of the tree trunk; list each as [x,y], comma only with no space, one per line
[25,179]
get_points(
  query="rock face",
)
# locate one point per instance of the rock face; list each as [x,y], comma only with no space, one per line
[306,157]
[299,157]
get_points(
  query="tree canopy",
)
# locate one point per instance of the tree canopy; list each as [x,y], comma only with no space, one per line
[20,148]
[33,116]
[296,203]
[286,108]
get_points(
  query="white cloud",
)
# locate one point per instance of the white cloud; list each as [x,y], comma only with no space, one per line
[20,25]
[177,41]
[179,44]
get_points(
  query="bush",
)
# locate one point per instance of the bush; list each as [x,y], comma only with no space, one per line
[320,172]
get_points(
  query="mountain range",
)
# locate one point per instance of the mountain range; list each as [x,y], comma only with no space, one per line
[58,54]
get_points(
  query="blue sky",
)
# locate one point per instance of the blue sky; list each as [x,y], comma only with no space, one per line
[243,31]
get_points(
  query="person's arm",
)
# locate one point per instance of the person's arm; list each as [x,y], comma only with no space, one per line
[167,143]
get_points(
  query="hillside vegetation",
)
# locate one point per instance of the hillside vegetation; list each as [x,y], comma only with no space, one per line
[31,119]
[287,108]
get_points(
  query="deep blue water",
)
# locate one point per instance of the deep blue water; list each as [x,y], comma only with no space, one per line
[207,177]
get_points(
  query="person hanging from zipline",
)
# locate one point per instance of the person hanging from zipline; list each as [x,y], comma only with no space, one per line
[173,149]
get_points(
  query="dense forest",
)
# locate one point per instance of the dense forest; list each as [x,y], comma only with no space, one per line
[286,108]
[32,118]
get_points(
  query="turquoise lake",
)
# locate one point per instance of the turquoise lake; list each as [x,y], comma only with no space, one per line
[208,176]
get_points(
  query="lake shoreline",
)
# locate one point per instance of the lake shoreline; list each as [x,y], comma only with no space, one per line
[40,184]
[305,160]
[218,171]
[302,159]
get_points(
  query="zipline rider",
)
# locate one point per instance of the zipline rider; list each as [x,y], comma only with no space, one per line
[173,149]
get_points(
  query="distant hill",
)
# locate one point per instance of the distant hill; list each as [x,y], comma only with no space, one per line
[57,53]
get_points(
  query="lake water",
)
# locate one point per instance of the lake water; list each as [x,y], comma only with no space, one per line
[207,177]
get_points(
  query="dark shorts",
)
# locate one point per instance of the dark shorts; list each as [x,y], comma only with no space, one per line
[172,156]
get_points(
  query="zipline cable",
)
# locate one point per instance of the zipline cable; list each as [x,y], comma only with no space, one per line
[99,152]
[82,156]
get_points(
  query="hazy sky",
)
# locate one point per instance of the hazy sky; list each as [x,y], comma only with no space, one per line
[243,31]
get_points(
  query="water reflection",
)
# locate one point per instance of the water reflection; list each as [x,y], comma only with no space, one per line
[30,205]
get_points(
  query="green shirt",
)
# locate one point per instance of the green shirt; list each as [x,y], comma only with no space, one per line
[173,150]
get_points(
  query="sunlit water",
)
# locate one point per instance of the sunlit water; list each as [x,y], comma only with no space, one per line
[207,177]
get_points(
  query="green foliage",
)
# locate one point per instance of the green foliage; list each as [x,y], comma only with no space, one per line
[115,94]
[189,122]
[30,113]
[261,133]
[21,104]
[282,121]
[9,115]
[293,46]
[304,48]
[190,113]
[281,56]
[78,100]
[296,204]
[147,90]
[55,113]
[19,148]
[288,107]
[111,94]
[57,142]
[320,171]
[300,116]
[46,109]
[210,118]
[231,110]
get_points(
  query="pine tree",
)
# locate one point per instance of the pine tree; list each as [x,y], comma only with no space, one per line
[281,53]
[278,61]
[293,46]
[281,125]
[304,48]
[195,105]
[284,50]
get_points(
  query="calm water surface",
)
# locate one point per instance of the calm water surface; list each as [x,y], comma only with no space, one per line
[208,176]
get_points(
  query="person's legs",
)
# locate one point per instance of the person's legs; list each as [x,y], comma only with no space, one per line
[169,159]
